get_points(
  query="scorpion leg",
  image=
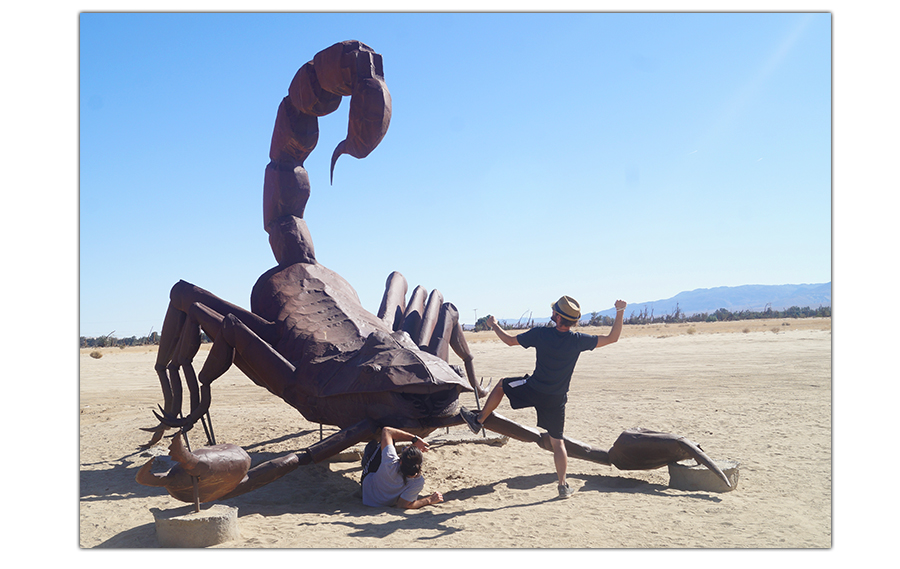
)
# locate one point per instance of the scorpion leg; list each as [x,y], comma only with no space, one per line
[514,430]
[272,470]
[177,342]
[461,349]
[415,312]
[168,344]
[435,330]
[429,319]
[635,449]
[234,340]
[446,333]
[178,346]
[198,316]
[393,303]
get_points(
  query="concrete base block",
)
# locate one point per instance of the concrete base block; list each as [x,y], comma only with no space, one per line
[183,527]
[688,475]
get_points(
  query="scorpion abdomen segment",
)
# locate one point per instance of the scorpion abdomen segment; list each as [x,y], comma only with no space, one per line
[308,96]
[338,66]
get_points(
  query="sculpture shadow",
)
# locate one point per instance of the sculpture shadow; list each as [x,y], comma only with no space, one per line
[438,520]
[285,438]
[301,492]
[143,536]
[116,483]
[607,484]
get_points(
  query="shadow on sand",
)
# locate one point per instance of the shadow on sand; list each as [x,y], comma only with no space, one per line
[300,492]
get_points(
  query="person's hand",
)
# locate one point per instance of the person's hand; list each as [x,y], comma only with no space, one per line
[620,305]
[436,498]
[491,321]
[420,444]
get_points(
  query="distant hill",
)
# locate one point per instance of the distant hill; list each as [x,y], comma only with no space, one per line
[731,298]
[736,298]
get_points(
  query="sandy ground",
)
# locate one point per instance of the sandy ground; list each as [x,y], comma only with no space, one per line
[757,392]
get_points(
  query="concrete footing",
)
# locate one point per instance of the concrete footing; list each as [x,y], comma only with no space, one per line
[183,527]
[688,475]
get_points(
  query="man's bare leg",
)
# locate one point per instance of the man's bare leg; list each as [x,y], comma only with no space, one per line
[493,401]
[560,459]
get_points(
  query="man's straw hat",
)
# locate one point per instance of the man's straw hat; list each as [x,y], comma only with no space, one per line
[568,308]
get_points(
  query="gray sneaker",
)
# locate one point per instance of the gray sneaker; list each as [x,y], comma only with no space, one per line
[565,491]
[471,419]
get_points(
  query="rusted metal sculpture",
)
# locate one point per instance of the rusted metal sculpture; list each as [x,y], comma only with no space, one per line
[221,467]
[308,340]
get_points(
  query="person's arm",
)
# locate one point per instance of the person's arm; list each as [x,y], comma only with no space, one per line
[501,333]
[616,331]
[390,434]
[426,501]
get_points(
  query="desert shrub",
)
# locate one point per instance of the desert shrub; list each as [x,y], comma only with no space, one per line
[691,330]
[96,354]
[746,330]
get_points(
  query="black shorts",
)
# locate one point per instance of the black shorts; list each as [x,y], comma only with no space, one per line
[551,409]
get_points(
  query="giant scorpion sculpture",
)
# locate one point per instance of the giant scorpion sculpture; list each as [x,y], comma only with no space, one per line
[307,339]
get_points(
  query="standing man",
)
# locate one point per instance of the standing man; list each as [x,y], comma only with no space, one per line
[546,388]
[390,479]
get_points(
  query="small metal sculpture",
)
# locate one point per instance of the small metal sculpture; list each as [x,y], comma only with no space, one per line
[308,340]
[221,467]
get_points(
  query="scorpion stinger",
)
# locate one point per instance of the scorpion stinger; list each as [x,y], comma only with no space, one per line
[370,100]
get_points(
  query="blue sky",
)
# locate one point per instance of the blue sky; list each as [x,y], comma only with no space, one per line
[602,156]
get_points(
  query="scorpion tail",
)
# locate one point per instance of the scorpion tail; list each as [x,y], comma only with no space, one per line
[643,449]
[349,68]
[182,455]
[145,477]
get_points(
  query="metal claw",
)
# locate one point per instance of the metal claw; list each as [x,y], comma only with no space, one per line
[172,421]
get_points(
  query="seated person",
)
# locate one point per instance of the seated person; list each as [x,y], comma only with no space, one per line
[390,479]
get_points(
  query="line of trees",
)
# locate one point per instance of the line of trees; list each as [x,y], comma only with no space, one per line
[110,341]
[646,316]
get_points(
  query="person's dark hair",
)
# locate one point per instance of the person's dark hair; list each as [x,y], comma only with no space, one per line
[411,461]
[565,321]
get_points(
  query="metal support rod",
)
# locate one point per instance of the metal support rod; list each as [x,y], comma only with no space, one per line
[478,406]
[195,481]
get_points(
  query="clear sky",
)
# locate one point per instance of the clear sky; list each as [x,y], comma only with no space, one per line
[603,156]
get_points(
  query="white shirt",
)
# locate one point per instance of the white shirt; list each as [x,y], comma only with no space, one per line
[384,486]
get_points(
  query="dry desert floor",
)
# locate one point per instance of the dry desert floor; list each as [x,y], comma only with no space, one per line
[755,392]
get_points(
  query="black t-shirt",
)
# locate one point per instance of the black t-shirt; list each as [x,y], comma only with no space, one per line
[557,354]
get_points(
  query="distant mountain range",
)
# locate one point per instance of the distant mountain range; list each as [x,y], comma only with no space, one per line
[731,298]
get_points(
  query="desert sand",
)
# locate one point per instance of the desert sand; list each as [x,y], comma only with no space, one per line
[756,392]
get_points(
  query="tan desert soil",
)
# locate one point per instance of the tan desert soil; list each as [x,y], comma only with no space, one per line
[757,392]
